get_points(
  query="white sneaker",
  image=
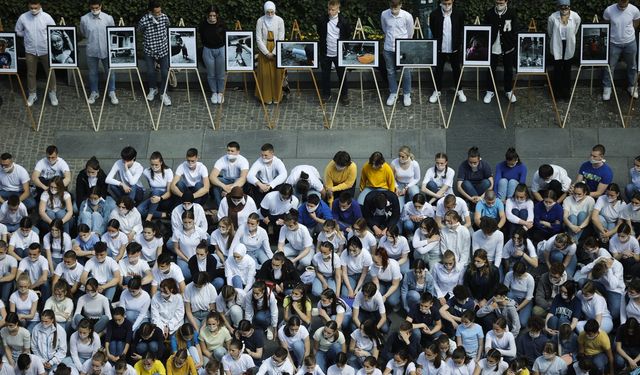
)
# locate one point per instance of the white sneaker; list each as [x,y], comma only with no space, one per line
[606,94]
[32,99]
[214,98]
[53,98]
[633,92]
[152,94]
[220,98]
[488,97]
[114,98]
[92,98]
[406,100]
[462,98]
[434,97]
[512,97]
[269,335]
[391,99]
[166,99]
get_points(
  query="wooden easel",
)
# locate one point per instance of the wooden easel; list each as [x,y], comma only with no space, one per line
[433,79]
[418,34]
[204,96]
[358,30]
[635,89]
[267,119]
[84,91]
[495,89]
[373,72]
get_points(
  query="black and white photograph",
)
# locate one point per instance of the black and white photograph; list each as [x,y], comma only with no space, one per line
[416,53]
[358,53]
[293,55]
[63,52]
[531,52]
[239,51]
[182,47]
[122,47]
[8,56]
[595,44]
[477,40]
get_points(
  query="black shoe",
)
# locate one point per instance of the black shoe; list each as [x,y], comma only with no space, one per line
[345,101]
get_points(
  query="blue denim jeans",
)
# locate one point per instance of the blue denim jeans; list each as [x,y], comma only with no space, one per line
[262,319]
[326,359]
[629,190]
[151,71]
[136,193]
[506,188]
[93,65]
[577,220]
[182,186]
[154,209]
[390,63]
[556,256]
[216,191]
[116,347]
[214,61]
[94,220]
[629,53]
[476,189]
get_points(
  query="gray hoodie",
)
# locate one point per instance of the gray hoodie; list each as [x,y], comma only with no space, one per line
[507,311]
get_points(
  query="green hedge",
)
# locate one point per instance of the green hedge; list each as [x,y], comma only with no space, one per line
[305,11]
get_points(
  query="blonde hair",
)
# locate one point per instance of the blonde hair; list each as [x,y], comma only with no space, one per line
[407,150]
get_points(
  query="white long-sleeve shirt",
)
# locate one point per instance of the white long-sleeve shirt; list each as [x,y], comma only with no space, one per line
[613,280]
[422,245]
[42,344]
[559,174]
[243,215]
[167,313]
[94,308]
[259,241]
[492,244]
[396,27]
[273,307]
[273,174]
[130,222]
[34,31]
[506,344]
[139,304]
[315,183]
[630,309]
[78,348]
[200,218]
[409,210]
[246,269]
[444,281]
[130,176]
[458,241]
[514,204]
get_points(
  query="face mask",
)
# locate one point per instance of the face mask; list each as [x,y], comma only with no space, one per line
[565,12]
[47,325]
[635,207]
[236,201]
[156,168]
[587,299]
[452,227]
[534,335]
[166,296]
[564,296]
[231,158]
[312,209]
[578,199]
[595,161]
[424,232]
[296,298]
[187,206]
[267,160]
[35,12]
[166,272]
[479,264]
[637,168]
[501,7]
[92,294]
[612,200]
[188,227]
[446,9]
[83,335]
[549,357]
[521,200]
[114,235]
[549,206]
[95,13]
[344,209]
[53,191]
[94,202]
[122,211]
[326,258]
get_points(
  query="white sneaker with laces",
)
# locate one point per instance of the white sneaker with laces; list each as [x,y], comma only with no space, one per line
[462,98]
[32,99]
[220,98]
[214,98]
[633,92]
[92,98]
[152,94]
[53,98]
[606,94]
[488,97]
[406,100]
[166,99]
[434,97]
[512,97]
[114,98]
[391,99]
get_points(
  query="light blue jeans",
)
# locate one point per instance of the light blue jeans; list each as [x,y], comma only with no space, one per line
[629,53]
[94,220]
[93,65]
[577,220]
[150,65]
[556,256]
[59,215]
[413,190]
[328,358]
[214,61]
[506,188]
[316,286]
[390,63]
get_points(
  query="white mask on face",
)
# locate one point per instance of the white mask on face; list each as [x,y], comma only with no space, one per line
[122,211]
[35,12]
[156,168]
[187,206]
[595,161]
[95,13]
[312,209]
[94,202]
[231,158]
[501,7]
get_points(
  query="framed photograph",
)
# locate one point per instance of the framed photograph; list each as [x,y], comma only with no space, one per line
[477,44]
[595,44]
[416,53]
[291,55]
[531,52]
[8,56]
[63,51]
[122,47]
[239,51]
[358,53]
[182,47]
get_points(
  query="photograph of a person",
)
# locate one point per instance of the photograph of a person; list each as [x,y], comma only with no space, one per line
[297,54]
[476,46]
[358,53]
[62,46]
[8,57]
[531,52]
[182,47]
[416,53]
[595,44]
[122,47]
[239,51]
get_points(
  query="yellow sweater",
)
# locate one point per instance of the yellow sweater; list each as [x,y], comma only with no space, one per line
[377,178]
[157,368]
[189,368]
[340,180]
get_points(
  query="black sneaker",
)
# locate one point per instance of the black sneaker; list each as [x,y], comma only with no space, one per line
[345,101]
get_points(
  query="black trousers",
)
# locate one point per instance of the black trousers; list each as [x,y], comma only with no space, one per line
[454,61]
[508,61]
[325,76]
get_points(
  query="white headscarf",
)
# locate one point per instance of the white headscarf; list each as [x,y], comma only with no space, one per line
[268,19]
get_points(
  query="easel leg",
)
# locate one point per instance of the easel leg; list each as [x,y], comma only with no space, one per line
[204,96]
[322,106]
[635,88]
[615,94]
[86,100]
[393,109]
[375,80]
[591,83]
[573,91]
[264,107]
[104,97]
[144,97]
[76,84]
[433,79]
[44,99]
[553,99]
[515,84]
[133,90]
[419,87]
[477,84]
[361,91]
[186,77]
[335,110]
[164,92]
[24,98]
[454,100]
[504,124]
[10,83]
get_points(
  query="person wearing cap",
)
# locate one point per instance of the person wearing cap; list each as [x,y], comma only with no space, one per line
[237,206]
[269,29]
[562,27]
[188,203]
[624,19]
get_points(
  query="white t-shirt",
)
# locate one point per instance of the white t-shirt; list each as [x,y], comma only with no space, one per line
[237,367]
[461,208]
[71,276]
[189,242]
[397,250]
[440,178]
[315,183]
[19,241]
[14,180]
[114,244]
[325,267]
[36,367]
[333,34]
[6,264]
[356,265]
[622,30]
[158,182]
[301,335]
[362,341]
[233,169]
[174,273]
[243,215]
[48,171]
[574,208]
[369,242]
[24,306]
[57,246]
[374,303]
[149,248]
[492,244]
[298,239]
[8,217]
[200,298]
[498,369]
[400,370]
[392,272]
[129,270]
[103,272]
[34,269]
[130,177]
[272,203]
[596,306]
[217,239]
[509,249]
[192,176]
[54,204]
[610,211]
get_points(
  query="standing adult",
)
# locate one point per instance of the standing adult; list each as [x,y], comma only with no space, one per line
[396,24]
[269,28]
[447,27]
[504,33]
[93,26]
[624,19]
[32,26]
[562,27]
[212,31]
[154,27]
[332,27]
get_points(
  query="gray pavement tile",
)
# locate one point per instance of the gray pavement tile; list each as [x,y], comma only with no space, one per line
[174,143]
[548,142]
[620,142]
[80,144]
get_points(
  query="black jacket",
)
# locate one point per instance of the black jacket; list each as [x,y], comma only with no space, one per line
[290,276]
[82,185]
[392,209]
[321,26]
[436,21]
[508,39]
[211,270]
